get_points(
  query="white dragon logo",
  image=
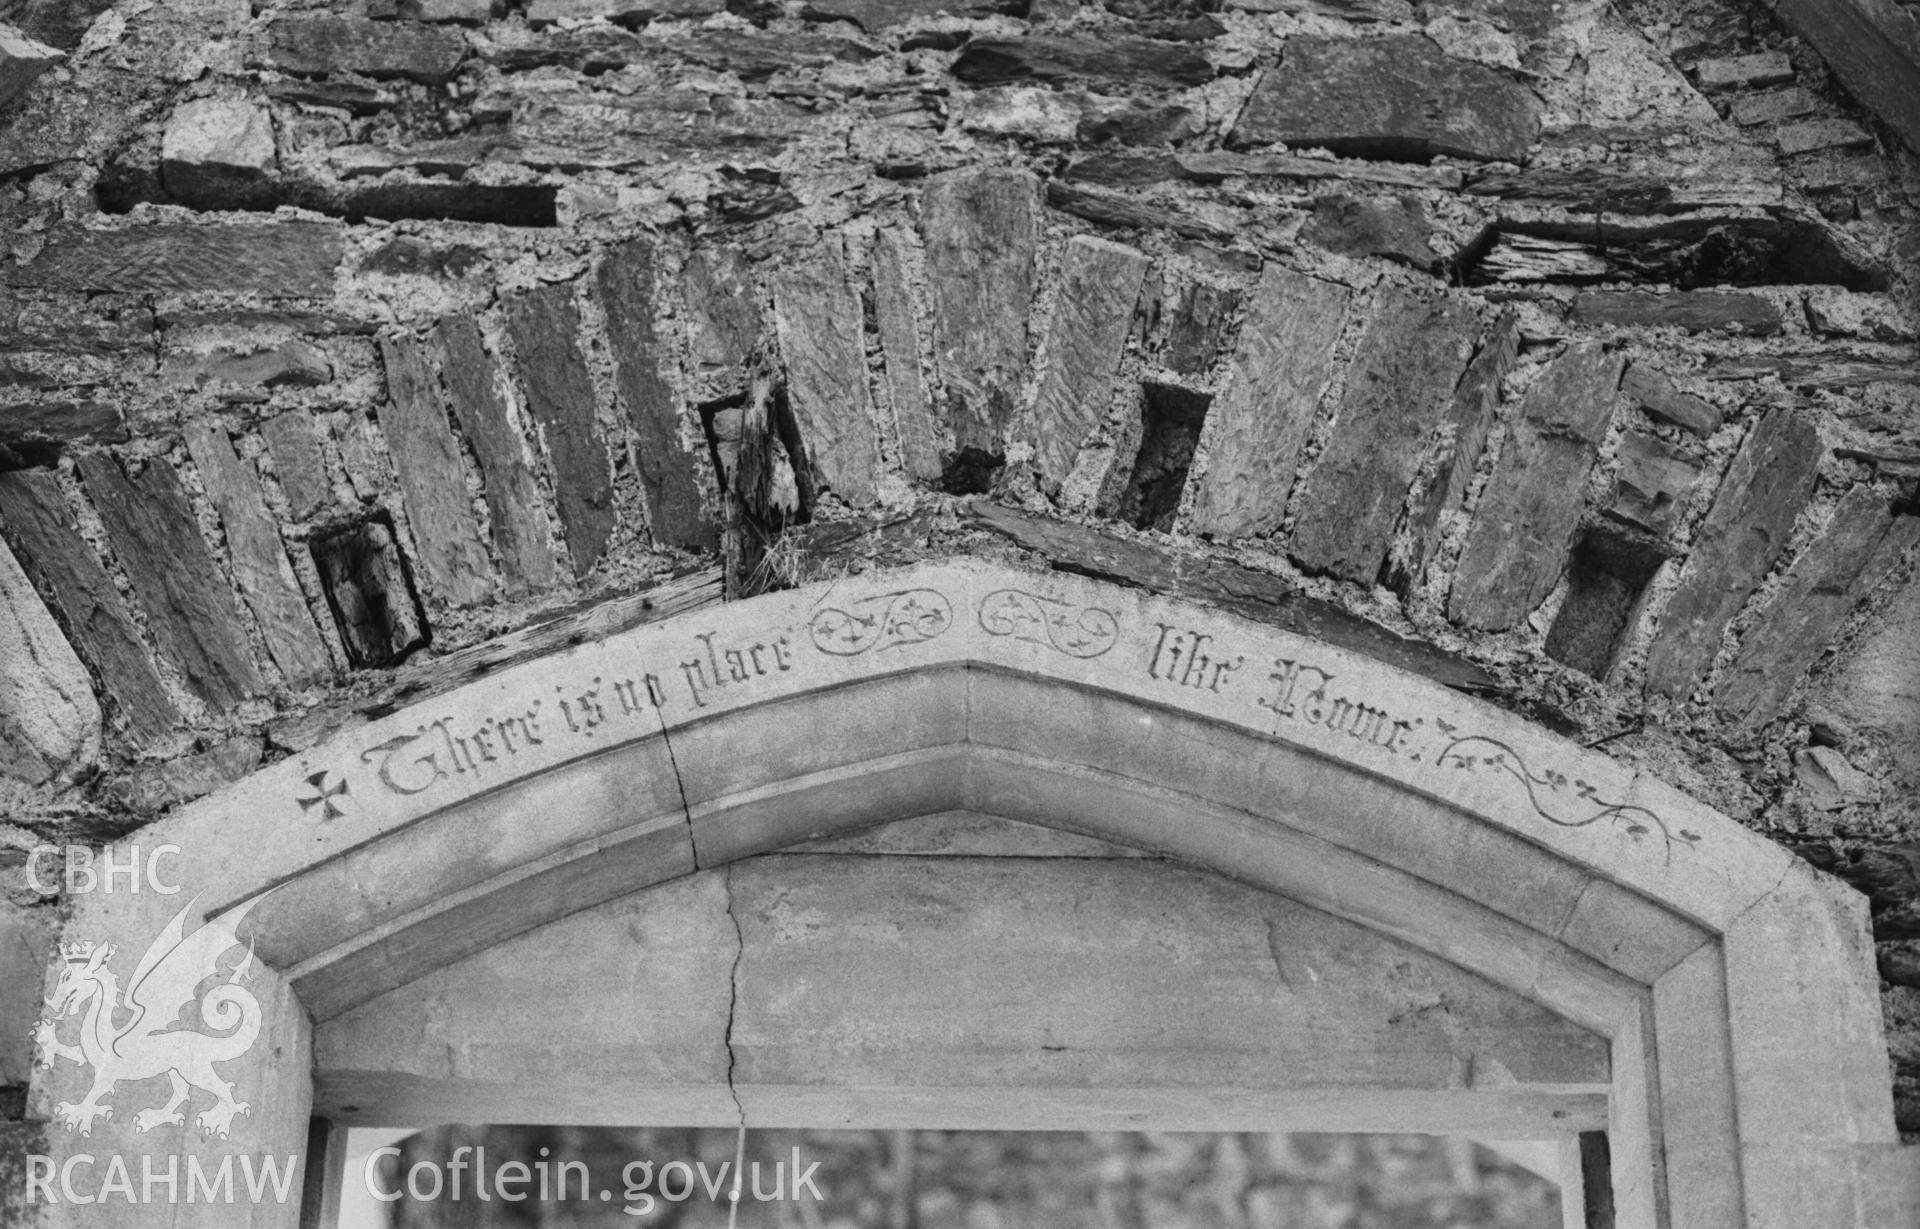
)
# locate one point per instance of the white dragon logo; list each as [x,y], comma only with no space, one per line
[144,1044]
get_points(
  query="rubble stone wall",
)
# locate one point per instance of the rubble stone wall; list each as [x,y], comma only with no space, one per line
[1561,352]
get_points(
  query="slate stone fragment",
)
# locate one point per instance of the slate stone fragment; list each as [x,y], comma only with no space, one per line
[1398,97]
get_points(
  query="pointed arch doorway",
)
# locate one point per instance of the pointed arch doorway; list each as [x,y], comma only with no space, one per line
[1609,950]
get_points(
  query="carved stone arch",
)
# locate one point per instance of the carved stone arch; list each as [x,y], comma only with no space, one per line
[1734,986]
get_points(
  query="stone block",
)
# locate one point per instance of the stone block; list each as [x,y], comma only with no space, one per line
[27,946]
[48,420]
[1280,368]
[1198,321]
[1397,392]
[1695,311]
[1656,395]
[723,315]
[1872,686]
[189,606]
[258,557]
[1110,59]
[1752,109]
[1463,439]
[433,481]
[22,61]
[318,44]
[1870,317]
[1136,121]
[1745,71]
[48,716]
[819,324]
[273,259]
[294,444]
[1030,111]
[152,788]
[1524,526]
[369,593]
[978,227]
[1137,212]
[575,130]
[212,145]
[631,12]
[882,14]
[1652,483]
[1214,165]
[42,529]
[1398,97]
[465,12]
[545,326]
[1085,335]
[1851,556]
[1397,229]
[1805,138]
[292,364]
[1830,782]
[628,290]
[1735,547]
[354,97]
[477,387]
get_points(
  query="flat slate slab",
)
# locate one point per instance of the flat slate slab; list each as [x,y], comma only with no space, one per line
[311,45]
[294,443]
[546,329]
[433,480]
[56,420]
[477,387]
[979,227]
[628,285]
[274,259]
[42,528]
[47,709]
[1092,313]
[1398,98]
[1524,526]
[189,606]
[1254,431]
[1114,59]
[1852,555]
[258,557]
[1695,311]
[1658,397]
[880,14]
[819,323]
[546,12]
[893,309]
[723,319]
[1397,392]
[1652,484]
[1468,421]
[1745,530]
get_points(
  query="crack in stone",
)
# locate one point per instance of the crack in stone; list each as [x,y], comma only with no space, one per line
[733,994]
[739,936]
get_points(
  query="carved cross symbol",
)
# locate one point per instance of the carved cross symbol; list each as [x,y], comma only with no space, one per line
[324,795]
